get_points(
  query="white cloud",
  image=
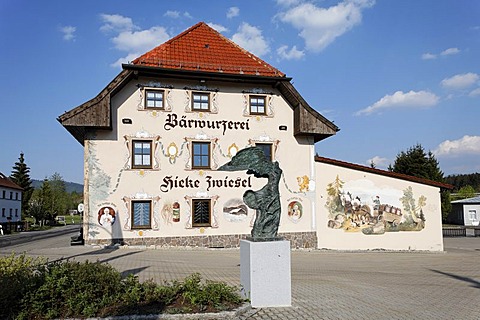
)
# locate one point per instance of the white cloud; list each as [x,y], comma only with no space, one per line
[233,12]
[217,27]
[460,81]
[400,99]
[250,38]
[116,23]
[378,162]
[172,14]
[475,93]
[187,14]
[140,41]
[130,38]
[429,56]
[68,32]
[462,146]
[450,51]
[287,3]
[292,54]
[318,26]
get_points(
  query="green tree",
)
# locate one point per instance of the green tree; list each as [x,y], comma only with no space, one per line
[59,195]
[21,176]
[466,192]
[418,163]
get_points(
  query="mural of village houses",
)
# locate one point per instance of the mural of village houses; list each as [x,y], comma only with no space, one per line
[361,206]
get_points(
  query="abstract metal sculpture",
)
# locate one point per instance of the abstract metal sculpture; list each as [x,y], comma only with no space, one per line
[265,201]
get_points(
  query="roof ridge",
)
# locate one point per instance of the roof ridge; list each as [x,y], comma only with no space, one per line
[168,55]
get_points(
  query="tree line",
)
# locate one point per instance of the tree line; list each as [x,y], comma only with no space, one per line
[47,202]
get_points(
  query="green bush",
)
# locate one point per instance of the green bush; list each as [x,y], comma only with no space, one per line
[33,289]
[18,276]
[73,289]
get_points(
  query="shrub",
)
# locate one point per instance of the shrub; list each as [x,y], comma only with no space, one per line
[18,276]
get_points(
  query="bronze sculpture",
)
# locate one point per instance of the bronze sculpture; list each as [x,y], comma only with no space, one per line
[265,201]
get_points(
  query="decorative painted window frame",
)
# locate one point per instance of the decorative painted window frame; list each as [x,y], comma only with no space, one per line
[139,136]
[266,139]
[213,210]
[269,107]
[213,104]
[155,200]
[189,156]
[167,97]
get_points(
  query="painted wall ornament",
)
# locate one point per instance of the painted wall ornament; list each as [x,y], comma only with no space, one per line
[235,210]
[106,216]
[361,206]
[295,211]
[265,201]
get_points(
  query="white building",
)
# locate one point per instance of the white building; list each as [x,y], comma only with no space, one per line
[466,211]
[10,200]
[156,134]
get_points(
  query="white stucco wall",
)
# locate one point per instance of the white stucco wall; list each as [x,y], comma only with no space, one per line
[10,207]
[109,179]
[342,234]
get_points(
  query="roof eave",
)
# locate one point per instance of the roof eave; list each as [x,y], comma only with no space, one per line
[150,71]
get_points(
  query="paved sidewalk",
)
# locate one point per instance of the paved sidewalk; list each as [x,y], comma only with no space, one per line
[325,284]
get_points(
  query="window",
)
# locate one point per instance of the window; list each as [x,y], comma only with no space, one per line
[11,212]
[201,209]
[141,214]
[16,212]
[142,154]
[16,195]
[154,99]
[3,212]
[201,155]
[257,105]
[266,148]
[200,101]
[472,215]
[11,195]
[3,194]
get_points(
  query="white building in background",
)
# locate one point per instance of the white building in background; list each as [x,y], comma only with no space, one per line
[10,200]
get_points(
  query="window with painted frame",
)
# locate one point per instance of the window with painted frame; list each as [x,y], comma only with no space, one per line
[201,155]
[141,214]
[154,99]
[257,105]
[141,154]
[267,149]
[201,101]
[201,212]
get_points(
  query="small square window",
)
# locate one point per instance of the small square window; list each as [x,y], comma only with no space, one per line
[142,154]
[200,101]
[201,155]
[267,149]
[154,99]
[257,104]
[141,214]
[201,212]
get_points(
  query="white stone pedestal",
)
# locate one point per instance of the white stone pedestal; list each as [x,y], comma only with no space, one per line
[265,273]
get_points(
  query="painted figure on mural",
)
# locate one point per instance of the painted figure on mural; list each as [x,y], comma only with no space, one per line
[265,201]
[106,216]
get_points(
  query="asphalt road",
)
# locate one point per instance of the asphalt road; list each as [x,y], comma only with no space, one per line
[325,284]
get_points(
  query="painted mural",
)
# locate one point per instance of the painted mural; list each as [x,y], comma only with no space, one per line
[295,211]
[235,210]
[361,206]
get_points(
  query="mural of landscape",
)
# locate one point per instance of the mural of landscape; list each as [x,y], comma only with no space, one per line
[361,206]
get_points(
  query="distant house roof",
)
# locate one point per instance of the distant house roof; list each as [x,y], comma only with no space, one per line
[383,172]
[199,53]
[201,48]
[473,200]
[7,183]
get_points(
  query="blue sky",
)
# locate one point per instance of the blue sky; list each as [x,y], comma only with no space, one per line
[390,74]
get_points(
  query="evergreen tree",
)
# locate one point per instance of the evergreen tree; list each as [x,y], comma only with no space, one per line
[418,163]
[20,175]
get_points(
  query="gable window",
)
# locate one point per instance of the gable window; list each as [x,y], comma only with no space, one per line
[3,194]
[257,104]
[266,148]
[200,101]
[11,195]
[201,155]
[154,99]
[201,216]
[141,214]
[142,154]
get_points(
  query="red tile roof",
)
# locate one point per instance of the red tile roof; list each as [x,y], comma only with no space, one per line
[7,183]
[383,172]
[201,48]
